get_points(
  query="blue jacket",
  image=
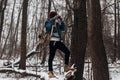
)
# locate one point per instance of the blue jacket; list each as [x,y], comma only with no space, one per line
[58,29]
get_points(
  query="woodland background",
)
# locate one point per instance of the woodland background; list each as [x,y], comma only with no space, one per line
[92,35]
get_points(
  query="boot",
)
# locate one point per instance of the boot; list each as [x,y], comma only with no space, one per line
[51,74]
[67,68]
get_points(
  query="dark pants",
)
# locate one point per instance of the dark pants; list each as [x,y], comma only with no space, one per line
[54,45]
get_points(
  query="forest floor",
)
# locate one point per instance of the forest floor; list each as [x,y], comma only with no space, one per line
[114,70]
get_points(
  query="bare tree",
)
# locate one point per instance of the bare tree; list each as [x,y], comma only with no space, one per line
[23,35]
[98,54]
[79,37]
[49,6]
[12,39]
[3,5]
[115,34]
[118,31]
[45,50]
[9,35]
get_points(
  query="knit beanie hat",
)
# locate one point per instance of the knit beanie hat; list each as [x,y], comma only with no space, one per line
[52,14]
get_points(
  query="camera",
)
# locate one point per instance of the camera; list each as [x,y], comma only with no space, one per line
[59,17]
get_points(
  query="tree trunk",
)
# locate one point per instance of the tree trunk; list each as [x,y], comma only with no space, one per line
[118,31]
[98,54]
[23,36]
[49,7]
[2,10]
[79,37]
[45,52]
[115,34]
[9,35]
[12,39]
[16,33]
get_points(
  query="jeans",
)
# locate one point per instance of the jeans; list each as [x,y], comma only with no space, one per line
[54,45]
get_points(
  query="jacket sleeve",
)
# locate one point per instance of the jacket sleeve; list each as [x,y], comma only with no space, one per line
[48,24]
[62,26]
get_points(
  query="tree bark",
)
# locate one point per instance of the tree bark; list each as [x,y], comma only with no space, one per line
[115,34]
[49,7]
[15,36]
[9,35]
[98,54]
[118,31]
[2,10]
[23,36]
[79,37]
[12,39]
[44,55]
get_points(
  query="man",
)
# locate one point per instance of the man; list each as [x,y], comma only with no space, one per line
[55,21]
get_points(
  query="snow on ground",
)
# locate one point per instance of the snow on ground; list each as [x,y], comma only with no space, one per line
[114,70]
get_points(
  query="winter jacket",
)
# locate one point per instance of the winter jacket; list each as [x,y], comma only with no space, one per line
[57,30]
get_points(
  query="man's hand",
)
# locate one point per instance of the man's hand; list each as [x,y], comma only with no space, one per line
[56,17]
